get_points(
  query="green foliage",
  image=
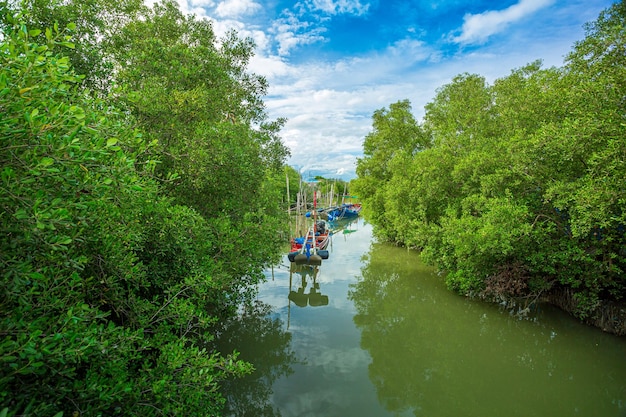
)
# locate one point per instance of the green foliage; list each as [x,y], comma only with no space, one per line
[190,91]
[218,153]
[519,189]
[293,182]
[329,190]
[59,158]
[91,21]
[110,284]
[395,137]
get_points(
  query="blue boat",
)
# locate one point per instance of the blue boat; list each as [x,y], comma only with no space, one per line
[345,211]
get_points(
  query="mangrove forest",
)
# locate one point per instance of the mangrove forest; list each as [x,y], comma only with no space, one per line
[516,189]
[140,175]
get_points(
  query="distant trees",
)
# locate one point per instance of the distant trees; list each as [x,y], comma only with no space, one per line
[515,189]
[330,191]
[140,199]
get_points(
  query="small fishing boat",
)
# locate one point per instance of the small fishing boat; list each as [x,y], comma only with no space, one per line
[345,211]
[311,248]
[322,237]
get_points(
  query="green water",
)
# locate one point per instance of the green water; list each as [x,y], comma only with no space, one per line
[390,340]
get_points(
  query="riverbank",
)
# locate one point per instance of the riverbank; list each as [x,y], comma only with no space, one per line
[609,316]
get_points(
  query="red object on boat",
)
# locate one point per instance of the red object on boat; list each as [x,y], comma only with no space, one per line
[322,237]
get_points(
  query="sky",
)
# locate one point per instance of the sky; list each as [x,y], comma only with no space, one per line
[331,64]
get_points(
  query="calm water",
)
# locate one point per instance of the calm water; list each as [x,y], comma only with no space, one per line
[381,336]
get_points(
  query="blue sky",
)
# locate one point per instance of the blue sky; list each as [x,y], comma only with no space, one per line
[332,63]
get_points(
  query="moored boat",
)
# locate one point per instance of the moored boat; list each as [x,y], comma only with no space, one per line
[345,211]
[311,248]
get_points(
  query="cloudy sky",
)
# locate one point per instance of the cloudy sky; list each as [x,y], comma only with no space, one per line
[332,63]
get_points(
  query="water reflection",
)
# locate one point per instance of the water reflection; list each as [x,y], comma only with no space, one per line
[437,354]
[308,275]
[393,341]
[344,226]
[262,341]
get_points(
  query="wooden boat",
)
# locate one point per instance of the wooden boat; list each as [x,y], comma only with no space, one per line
[345,211]
[311,248]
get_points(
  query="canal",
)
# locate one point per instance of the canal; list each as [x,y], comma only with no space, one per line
[374,332]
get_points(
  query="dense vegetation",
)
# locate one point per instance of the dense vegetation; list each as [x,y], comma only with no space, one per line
[141,185]
[515,189]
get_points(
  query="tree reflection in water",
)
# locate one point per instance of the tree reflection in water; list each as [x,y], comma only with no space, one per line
[262,341]
[435,353]
[382,299]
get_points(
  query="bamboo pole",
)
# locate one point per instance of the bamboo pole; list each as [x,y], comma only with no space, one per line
[330,196]
[288,195]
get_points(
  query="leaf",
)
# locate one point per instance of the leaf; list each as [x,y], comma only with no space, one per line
[111,141]
[34,32]
[46,162]
[78,112]
[21,214]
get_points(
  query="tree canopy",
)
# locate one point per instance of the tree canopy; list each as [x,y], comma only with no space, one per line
[140,203]
[515,189]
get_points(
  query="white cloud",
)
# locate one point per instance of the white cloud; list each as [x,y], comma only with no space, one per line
[270,67]
[202,3]
[477,28]
[290,32]
[332,7]
[236,8]
[329,104]
[410,51]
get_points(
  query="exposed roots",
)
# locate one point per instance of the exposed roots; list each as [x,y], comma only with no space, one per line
[509,287]
[610,316]
[510,281]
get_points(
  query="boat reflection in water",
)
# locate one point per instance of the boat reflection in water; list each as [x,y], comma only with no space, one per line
[344,226]
[308,280]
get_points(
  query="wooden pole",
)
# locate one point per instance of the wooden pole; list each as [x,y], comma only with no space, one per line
[289,305]
[330,196]
[288,195]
